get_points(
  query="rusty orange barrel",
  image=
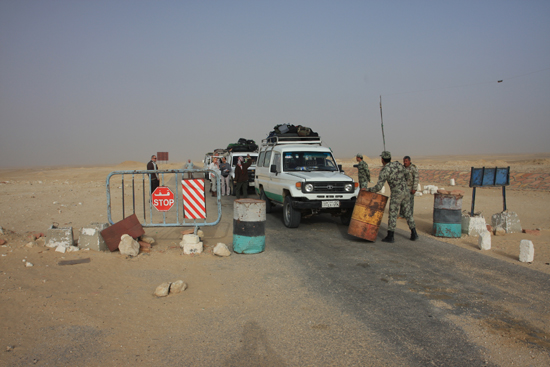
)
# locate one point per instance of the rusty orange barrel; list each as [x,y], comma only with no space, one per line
[367,215]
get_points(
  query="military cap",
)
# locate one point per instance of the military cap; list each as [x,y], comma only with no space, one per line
[385,155]
[359,155]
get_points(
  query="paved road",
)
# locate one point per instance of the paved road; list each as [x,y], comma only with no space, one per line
[408,293]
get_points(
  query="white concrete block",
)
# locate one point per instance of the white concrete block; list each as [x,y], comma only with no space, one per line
[473,226]
[507,220]
[526,251]
[192,248]
[91,238]
[484,240]
[190,239]
[452,183]
[59,237]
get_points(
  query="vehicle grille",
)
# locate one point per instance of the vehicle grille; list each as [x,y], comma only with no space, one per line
[251,173]
[328,186]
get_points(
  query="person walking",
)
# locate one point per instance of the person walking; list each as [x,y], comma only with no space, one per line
[241,176]
[153,177]
[189,165]
[412,182]
[396,175]
[225,169]
[362,171]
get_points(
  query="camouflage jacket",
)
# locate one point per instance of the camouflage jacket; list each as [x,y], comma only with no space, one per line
[364,174]
[396,175]
[412,181]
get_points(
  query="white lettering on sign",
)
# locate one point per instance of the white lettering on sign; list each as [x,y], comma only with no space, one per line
[163,202]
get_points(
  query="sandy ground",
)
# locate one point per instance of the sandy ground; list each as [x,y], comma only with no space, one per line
[40,298]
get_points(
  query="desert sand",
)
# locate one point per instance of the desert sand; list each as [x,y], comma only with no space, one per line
[47,296]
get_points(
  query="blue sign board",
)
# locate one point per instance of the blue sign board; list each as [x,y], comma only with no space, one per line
[487,177]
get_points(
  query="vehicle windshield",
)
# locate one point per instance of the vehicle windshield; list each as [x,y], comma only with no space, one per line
[236,158]
[309,161]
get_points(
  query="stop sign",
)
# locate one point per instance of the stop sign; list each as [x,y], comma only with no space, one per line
[163,198]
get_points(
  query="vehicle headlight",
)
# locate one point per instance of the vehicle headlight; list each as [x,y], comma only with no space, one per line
[308,187]
[348,187]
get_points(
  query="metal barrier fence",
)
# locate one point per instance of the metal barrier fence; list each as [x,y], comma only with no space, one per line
[152,214]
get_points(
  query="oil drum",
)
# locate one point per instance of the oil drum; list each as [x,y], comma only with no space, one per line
[367,215]
[248,226]
[447,215]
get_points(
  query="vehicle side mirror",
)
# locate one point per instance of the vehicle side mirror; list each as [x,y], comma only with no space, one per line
[340,167]
[273,168]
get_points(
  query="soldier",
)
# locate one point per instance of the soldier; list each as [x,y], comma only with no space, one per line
[363,171]
[396,175]
[412,182]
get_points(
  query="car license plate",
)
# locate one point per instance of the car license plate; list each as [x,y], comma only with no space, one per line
[330,204]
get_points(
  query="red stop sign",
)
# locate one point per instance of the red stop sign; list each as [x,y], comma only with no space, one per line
[163,198]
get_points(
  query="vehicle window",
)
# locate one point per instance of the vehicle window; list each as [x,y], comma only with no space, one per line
[277,161]
[309,161]
[267,158]
[261,159]
[236,159]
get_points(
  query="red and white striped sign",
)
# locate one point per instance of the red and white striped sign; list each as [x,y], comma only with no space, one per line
[193,199]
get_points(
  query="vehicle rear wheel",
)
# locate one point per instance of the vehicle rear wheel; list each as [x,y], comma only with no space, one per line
[268,204]
[291,216]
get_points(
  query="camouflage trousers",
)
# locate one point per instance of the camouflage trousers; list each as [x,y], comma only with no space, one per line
[400,201]
[363,184]
[411,205]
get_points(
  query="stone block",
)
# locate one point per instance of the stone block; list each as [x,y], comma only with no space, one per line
[128,246]
[192,248]
[473,226]
[59,237]
[452,183]
[90,237]
[509,221]
[499,231]
[221,250]
[484,240]
[190,239]
[526,251]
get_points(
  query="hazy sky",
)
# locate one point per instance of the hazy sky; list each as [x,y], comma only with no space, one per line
[94,82]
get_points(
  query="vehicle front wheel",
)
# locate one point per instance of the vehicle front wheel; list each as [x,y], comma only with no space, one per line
[345,218]
[291,216]
[268,203]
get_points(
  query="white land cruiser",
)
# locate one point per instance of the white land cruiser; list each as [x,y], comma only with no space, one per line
[302,175]
[232,160]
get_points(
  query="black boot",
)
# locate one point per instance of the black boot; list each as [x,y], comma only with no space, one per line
[414,235]
[389,237]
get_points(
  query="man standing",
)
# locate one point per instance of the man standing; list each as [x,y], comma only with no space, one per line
[412,181]
[396,175]
[153,177]
[241,176]
[214,166]
[225,169]
[363,171]
[189,165]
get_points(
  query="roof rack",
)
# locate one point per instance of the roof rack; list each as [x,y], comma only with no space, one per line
[282,139]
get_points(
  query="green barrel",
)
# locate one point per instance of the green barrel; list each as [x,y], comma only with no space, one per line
[447,215]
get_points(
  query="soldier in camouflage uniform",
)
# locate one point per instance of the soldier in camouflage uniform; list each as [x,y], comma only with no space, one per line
[363,171]
[412,182]
[396,175]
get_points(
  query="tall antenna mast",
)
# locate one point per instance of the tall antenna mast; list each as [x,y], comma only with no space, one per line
[382,120]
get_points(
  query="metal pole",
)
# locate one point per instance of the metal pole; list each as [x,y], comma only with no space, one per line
[473,201]
[504,197]
[382,121]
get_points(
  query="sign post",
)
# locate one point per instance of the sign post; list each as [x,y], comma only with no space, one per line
[163,198]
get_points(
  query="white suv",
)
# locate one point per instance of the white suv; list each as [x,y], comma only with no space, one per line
[302,175]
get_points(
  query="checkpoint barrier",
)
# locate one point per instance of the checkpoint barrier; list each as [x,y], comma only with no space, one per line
[181,201]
